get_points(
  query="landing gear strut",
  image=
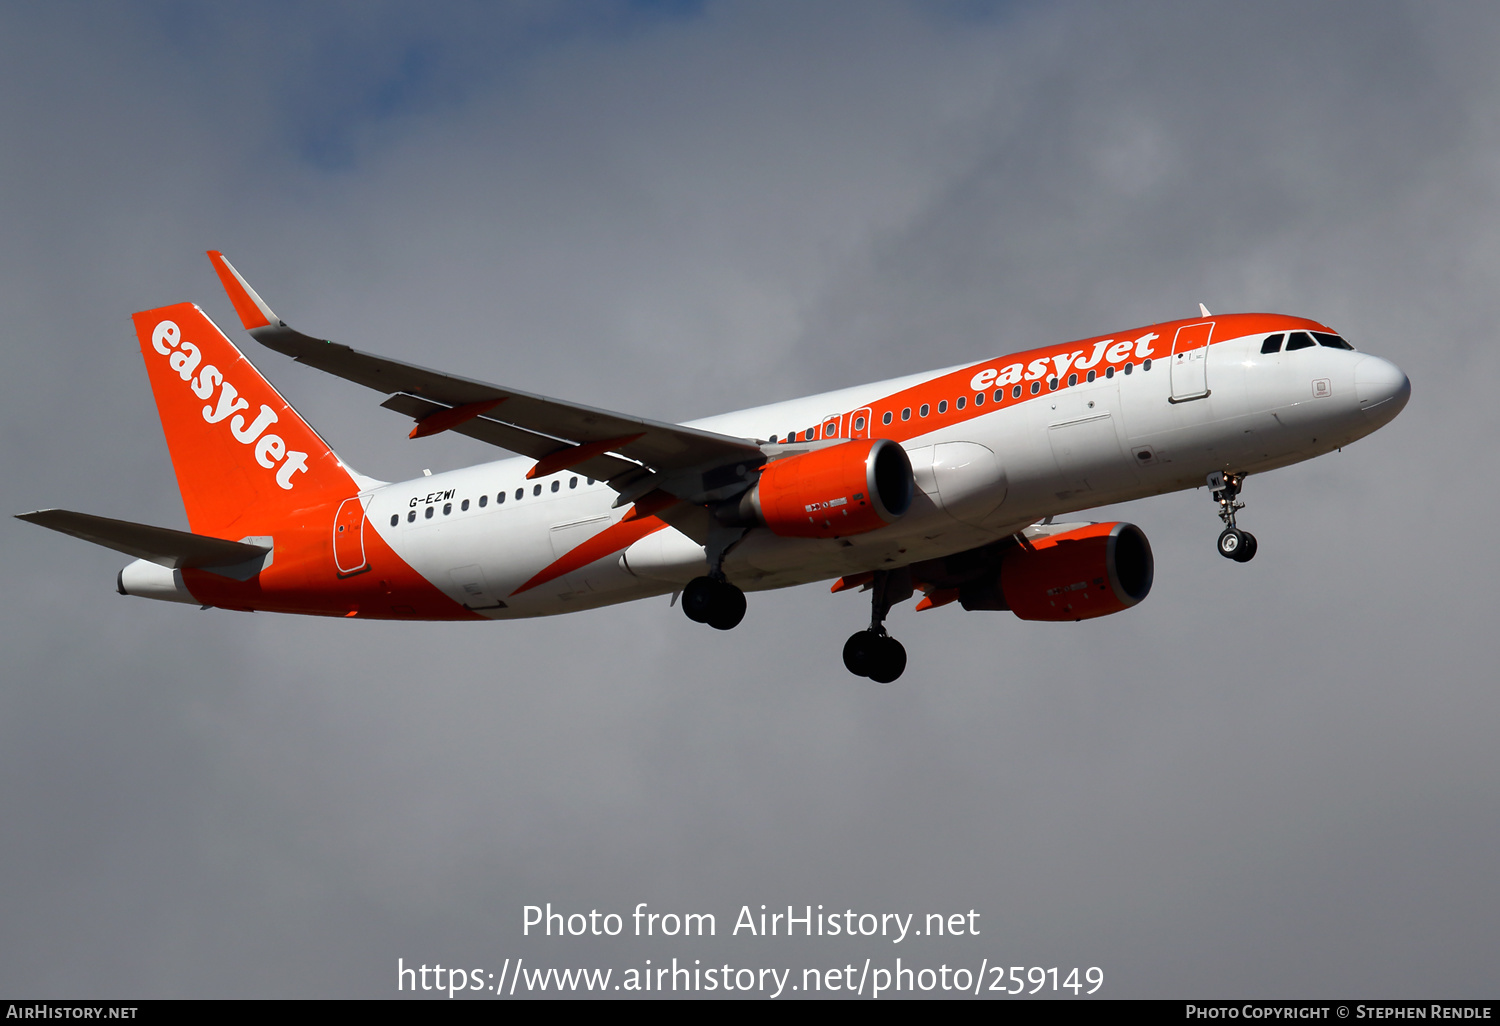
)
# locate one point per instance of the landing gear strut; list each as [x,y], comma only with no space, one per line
[1234,544]
[872,652]
[712,599]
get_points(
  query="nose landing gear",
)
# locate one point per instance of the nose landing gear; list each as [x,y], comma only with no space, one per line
[872,652]
[1234,544]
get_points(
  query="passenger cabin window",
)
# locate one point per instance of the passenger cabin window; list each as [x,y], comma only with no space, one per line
[959,403]
[464,506]
[1331,341]
[1299,340]
[395,519]
[556,485]
[886,417]
[484,500]
[411,516]
[1272,344]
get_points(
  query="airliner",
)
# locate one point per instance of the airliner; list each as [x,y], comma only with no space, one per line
[949,483]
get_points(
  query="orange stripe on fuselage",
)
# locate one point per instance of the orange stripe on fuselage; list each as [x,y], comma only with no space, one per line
[959,384]
[612,539]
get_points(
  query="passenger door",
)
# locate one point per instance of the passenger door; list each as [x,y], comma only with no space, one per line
[1190,361]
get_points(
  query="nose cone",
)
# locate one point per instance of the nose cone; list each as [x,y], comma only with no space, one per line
[1382,388]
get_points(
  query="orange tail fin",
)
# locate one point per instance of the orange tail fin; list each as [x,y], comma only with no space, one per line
[238,447]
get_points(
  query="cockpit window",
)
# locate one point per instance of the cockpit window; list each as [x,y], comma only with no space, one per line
[1331,341]
[1273,343]
[1300,340]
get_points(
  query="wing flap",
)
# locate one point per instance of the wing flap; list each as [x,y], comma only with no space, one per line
[517,439]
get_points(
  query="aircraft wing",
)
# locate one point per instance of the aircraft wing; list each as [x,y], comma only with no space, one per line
[634,455]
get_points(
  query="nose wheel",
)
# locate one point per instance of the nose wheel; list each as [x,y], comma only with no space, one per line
[1234,543]
[872,652]
[1237,545]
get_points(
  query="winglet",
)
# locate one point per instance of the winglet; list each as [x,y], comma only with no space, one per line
[253,311]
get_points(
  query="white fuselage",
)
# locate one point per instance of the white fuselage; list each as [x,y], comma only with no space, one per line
[979,477]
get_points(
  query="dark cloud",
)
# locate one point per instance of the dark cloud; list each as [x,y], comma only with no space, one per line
[1274,779]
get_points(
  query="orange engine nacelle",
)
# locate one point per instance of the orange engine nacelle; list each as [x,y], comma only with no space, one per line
[1077,575]
[845,489]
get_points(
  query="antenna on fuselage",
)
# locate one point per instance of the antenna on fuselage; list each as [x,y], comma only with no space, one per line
[1204,310]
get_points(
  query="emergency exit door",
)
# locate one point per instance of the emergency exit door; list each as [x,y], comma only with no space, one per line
[349,538]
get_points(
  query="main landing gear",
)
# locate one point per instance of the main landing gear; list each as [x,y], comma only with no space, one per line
[1234,544]
[872,652]
[711,599]
[714,601]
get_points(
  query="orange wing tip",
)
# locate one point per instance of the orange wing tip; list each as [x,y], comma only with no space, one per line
[452,418]
[852,581]
[253,311]
[576,454]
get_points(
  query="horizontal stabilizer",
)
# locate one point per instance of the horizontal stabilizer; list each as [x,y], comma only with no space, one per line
[175,550]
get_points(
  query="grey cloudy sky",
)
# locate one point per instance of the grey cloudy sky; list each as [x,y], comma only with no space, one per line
[1277,779]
